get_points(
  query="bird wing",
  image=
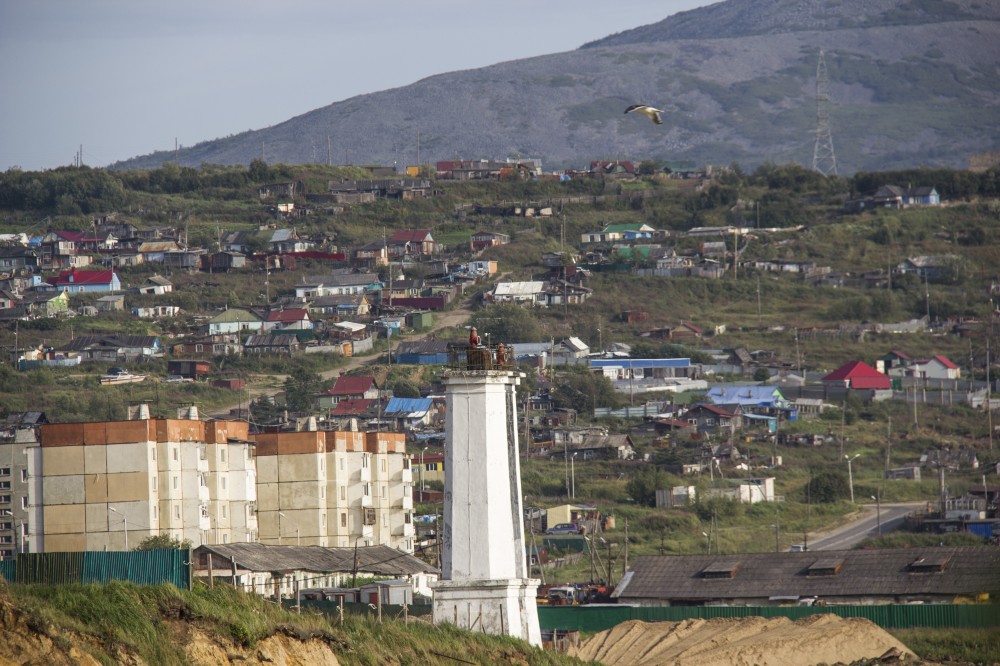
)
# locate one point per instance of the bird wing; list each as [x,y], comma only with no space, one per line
[633,108]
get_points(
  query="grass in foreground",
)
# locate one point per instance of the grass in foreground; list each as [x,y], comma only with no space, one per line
[123,618]
[975,646]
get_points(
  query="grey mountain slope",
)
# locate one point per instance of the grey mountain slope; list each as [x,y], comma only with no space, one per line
[907,94]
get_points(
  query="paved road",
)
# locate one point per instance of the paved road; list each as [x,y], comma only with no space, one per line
[868,523]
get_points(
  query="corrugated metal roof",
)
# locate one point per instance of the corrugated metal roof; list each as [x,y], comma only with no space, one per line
[518,288]
[410,406]
[886,572]
[378,560]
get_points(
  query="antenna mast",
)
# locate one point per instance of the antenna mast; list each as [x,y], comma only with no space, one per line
[824,160]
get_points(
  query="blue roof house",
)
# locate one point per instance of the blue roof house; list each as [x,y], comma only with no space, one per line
[410,413]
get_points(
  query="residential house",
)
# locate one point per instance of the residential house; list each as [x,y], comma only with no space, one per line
[291,319]
[156,251]
[156,311]
[67,249]
[110,303]
[600,447]
[410,413]
[371,254]
[929,267]
[16,259]
[189,368]
[894,196]
[223,262]
[156,285]
[484,239]
[422,352]
[714,418]
[929,575]
[187,260]
[481,267]
[411,243]
[234,320]
[564,292]
[619,232]
[348,387]
[895,362]
[524,293]
[351,414]
[285,241]
[218,344]
[753,399]
[8,300]
[282,343]
[857,376]
[115,348]
[281,190]
[44,303]
[338,284]
[363,191]
[348,305]
[91,282]
[937,367]
[684,330]
[613,169]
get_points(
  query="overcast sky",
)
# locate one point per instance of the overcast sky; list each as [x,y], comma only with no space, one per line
[129,77]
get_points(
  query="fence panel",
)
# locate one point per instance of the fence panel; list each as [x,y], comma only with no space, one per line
[150,567]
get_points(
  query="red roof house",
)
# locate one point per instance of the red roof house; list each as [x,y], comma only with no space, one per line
[348,388]
[75,281]
[858,375]
[409,242]
[292,318]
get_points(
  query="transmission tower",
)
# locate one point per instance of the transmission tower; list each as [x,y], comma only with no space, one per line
[824,161]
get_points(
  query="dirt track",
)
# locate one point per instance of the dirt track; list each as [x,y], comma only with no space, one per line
[753,641]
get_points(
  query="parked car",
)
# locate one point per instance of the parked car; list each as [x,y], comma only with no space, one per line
[563,528]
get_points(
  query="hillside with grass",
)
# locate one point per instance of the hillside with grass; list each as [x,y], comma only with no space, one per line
[910,82]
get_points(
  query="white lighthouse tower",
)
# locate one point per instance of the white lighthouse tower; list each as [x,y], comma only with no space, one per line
[484,582]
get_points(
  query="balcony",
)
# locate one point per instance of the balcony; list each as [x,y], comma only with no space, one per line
[407,503]
[408,475]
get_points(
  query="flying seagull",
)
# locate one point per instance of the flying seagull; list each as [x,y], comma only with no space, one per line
[652,113]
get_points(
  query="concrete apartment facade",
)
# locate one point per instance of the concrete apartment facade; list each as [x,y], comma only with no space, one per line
[335,489]
[107,485]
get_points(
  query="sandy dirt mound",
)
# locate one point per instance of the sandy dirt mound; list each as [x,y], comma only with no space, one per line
[753,641]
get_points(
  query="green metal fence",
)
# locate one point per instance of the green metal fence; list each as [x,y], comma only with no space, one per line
[332,608]
[894,616]
[147,567]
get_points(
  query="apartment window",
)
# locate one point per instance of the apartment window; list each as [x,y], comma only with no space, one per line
[175,483]
[24,475]
[6,526]
[204,511]
[406,463]
[4,471]
[365,490]
[385,492]
[323,520]
[177,511]
[343,493]
[385,467]
[369,518]
[6,539]
[199,348]
[385,520]
[223,483]
[4,499]
[154,484]
[322,493]
[407,517]
[223,453]
[6,553]
[223,510]
[343,519]
[4,485]
[341,464]
[322,465]
[225,538]
[152,452]
[24,502]
[175,453]
[364,460]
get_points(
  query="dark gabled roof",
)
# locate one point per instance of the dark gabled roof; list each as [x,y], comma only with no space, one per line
[277,340]
[378,560]
[351,384]
[889,573]
[110,341]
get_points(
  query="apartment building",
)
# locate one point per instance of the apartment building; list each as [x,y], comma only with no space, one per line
[110,484]
[335,489]
[18,447]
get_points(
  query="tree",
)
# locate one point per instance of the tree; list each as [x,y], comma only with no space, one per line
[827,487]
[259,172]
[161,541]
[643,486]
[300,388]
[506,322]
[761,375]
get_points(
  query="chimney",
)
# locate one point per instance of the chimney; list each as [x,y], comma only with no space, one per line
[311,424]
[190,412]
